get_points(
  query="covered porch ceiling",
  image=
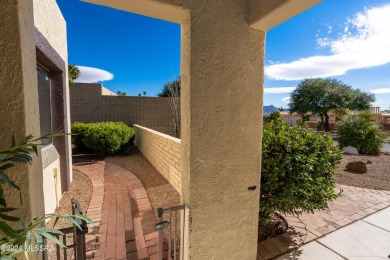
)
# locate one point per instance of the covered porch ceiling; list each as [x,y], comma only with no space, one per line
[262,14]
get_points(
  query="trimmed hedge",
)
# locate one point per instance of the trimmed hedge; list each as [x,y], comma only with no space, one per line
[363,132]
[297,170]
[105,138]
[78,133]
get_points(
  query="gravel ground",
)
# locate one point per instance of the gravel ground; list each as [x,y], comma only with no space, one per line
[81,190]
[377,176]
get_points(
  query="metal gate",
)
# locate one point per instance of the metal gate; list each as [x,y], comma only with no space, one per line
[177,233]
[76,236]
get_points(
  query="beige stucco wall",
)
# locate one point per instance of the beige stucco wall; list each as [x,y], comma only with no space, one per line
[51,24]
[162,151]
[19,99]
[49,21]
[18,85]
[332,119]
[52,186]
[222,74]
[266,14]
[291,119]
[107,92]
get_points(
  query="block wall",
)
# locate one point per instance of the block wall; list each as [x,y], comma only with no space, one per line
[163,152]
[89,103]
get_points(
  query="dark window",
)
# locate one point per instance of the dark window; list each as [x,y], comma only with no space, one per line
[44,95]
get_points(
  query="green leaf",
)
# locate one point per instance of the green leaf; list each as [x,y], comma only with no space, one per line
[38,239]
[7,209]
[71,220]
[27,242]
[6,166]
[9,218]
[55,221]
[53,239]
[80,216]
[13,142]
[8,231]
[19,158]
[7,180]
[34,147]
[50,230]
[2,200]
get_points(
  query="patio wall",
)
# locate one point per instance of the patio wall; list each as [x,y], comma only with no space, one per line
[91,102]
[163,152]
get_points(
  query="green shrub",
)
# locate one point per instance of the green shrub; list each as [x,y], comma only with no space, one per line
[16,236]
[272,117]
[297,170]
[363,132]
[105,138]
[79,130]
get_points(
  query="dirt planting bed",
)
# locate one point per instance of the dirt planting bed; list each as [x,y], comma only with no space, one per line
[377,176]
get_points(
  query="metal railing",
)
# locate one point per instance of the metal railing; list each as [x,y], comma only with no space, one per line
[76,236]
[176,241]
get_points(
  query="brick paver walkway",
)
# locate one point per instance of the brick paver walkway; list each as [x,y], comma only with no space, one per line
[354,204]
[123,216]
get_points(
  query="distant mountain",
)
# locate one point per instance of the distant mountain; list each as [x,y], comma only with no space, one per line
[269,109]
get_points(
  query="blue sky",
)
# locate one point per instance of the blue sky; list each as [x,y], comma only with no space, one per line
[344,39]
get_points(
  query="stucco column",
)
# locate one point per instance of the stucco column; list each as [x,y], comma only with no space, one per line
[221,100]
[19,101]
[222,81]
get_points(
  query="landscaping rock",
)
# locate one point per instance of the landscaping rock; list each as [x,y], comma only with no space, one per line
[356,167]
[351,150]
[366,161]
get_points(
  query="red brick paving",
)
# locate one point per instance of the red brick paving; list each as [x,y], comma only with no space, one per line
[354,204]
[124,218]
[95,172]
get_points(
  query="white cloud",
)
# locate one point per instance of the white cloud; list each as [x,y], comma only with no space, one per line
[364,43]
[380,90]
[286,100]
[93,75]
[279,90]
[330,29]
[377,103]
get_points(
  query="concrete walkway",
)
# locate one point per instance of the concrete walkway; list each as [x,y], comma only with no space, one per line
[368,238]
[354,205]
[123,216]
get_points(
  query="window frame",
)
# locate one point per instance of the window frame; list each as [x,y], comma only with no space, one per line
[47,70]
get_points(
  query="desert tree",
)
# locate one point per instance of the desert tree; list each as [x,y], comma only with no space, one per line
[172,91]
[73,73]
[318,96]
[121,93]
